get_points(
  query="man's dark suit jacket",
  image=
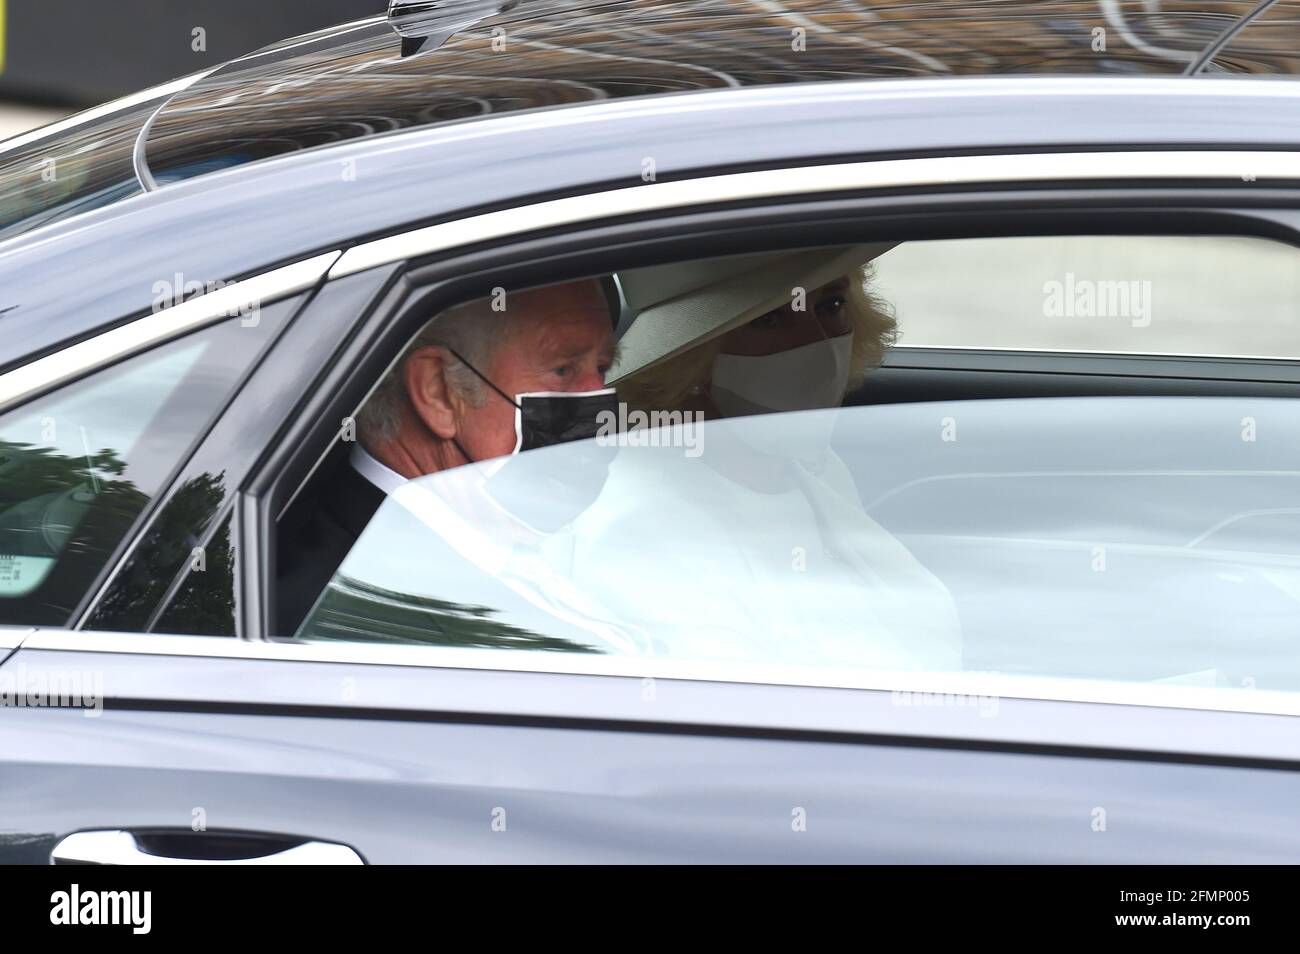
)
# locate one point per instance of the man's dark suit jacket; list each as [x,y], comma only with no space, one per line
[314,538]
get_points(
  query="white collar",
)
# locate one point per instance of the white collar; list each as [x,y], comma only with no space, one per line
[381,475]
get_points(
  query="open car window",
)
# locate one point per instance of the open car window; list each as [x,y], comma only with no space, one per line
[1140,294]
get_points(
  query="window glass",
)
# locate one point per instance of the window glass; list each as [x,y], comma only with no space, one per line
[85,167]
[204,605]
[172,548]
[721,502]
[1265,47]
[1205,295]
[78,465]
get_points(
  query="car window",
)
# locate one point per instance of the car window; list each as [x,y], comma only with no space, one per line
[87,166]
[79,465]
[204,604]
[751,493]
[1190,295]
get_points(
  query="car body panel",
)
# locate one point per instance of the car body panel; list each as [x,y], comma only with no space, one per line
[1169,721]
[436,792]
[414,764]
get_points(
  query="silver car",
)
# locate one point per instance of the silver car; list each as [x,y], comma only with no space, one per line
[1043,607]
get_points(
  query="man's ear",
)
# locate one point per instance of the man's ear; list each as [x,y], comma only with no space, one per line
[432,398]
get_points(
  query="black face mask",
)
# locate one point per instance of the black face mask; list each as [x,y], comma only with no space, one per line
[549,491]
[544,418]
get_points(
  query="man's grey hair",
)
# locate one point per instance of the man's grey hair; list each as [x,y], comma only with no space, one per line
[473,330]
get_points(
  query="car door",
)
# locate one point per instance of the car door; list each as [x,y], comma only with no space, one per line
[420,753]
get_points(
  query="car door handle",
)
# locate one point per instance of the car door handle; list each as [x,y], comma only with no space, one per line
[117,847]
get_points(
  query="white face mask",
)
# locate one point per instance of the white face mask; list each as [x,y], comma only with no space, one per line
[810,377]
[802,379]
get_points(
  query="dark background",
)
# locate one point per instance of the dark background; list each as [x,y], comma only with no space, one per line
[70,54]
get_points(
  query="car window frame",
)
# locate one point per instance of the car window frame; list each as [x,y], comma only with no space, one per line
[467,256]
[187,468]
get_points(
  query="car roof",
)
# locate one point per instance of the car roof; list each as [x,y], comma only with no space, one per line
[245,220]
[354,81]
[500,57]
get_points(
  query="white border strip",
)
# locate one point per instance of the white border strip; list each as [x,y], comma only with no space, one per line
[133,337]
[139,153]
[883,174]
[1030,350]
[11,637]
[1157,695]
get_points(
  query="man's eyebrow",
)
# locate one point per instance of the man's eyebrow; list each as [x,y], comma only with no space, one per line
[552,347]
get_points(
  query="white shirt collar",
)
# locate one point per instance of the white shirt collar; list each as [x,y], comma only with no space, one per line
[381,475]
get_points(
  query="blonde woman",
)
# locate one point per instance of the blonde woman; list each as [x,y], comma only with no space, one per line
[805,353]
[757,548]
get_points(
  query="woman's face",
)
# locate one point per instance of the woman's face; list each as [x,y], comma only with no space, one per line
[826,316]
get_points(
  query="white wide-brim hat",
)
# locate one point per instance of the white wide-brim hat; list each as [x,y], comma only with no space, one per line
[677,307]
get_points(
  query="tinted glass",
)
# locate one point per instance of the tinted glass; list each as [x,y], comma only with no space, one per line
[79,465]
[1266,47]
[204,605]
[551,53]
[176,541]
[63,174]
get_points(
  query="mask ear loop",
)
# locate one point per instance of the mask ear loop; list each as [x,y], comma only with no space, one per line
[826,336]
[468,459]
[811,311]
[484,378]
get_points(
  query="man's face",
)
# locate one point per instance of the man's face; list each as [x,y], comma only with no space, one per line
[560,339]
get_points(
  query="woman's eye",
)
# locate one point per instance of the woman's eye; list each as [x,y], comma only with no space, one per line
[563,371]
[830,306]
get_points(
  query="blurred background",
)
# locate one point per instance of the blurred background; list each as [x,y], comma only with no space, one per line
[61,56]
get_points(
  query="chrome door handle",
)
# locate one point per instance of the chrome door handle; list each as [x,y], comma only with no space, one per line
[118,847]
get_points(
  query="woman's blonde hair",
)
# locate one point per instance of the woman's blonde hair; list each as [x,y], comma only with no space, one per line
[672,384]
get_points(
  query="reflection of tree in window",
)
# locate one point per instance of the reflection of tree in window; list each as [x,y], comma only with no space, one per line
[165,551]
[46,498]
[205,603]
[359,612]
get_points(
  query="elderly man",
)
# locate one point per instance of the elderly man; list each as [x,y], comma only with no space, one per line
[476,383]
